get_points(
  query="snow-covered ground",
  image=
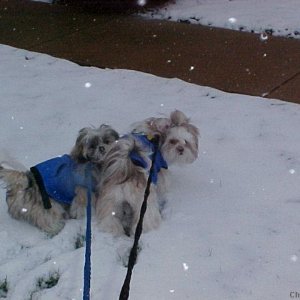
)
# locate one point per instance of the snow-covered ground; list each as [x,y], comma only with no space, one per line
[266,17]
[232,223]
[231,229]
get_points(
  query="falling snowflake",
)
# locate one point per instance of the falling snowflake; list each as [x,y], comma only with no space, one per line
[294,258]
[88,85]
[263,36]
[232,20]
[141,2]
[185,266]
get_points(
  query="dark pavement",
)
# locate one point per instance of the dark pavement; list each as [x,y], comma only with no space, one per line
[228,60]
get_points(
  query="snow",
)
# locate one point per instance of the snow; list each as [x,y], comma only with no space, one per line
[275,17]
[231,224]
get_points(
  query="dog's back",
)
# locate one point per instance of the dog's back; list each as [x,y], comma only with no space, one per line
[118,166]
[14,179]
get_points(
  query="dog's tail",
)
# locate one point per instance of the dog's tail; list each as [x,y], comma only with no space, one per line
[120,165]
[16,178]
[9,162]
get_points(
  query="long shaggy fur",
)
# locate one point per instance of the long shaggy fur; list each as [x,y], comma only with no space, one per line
[25,202]
[23,196]
[122,187]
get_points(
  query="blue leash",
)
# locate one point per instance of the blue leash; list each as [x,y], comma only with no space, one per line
[88,236]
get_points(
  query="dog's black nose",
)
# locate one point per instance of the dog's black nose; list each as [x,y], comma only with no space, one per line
[101,149]
[180,150]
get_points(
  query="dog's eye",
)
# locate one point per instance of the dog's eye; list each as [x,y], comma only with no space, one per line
[173,141]
[94,145]
[106,141]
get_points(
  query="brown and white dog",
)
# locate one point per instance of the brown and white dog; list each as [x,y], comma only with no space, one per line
[126,170]
[52,191]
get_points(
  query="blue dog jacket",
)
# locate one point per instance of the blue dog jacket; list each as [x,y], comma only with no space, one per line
[57,178]
[139,161]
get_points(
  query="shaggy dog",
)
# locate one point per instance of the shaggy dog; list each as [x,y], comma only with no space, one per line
[126,170]
[54,190]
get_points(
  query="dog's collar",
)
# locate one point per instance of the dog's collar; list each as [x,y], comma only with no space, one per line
[150,137]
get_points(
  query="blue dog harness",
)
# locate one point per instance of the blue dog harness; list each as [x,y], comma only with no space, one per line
[140,161]
[57,179]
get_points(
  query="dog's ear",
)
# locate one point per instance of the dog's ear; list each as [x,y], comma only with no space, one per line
[193,130]
[178,118]
[110,131]
[78,149]
[83,132]
[160,125]
[77,154]
[104,126]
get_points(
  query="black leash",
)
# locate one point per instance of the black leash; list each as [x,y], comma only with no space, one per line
[139,228]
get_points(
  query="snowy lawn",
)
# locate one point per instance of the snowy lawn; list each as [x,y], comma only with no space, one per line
[231,227]
[267,17]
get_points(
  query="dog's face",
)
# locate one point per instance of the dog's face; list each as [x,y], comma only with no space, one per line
[180,145]
[179,138]
[93,143]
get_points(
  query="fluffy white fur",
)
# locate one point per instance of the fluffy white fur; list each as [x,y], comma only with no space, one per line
[23,196]
[122,187]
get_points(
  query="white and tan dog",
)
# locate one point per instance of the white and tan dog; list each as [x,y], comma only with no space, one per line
[126,170]
[52,191]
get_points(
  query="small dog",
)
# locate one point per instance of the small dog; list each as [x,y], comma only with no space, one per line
[54,190]
[126,170]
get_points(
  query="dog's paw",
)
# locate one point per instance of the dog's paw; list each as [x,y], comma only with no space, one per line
[123,253]
[111,224]
[77,212]
[54,228]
